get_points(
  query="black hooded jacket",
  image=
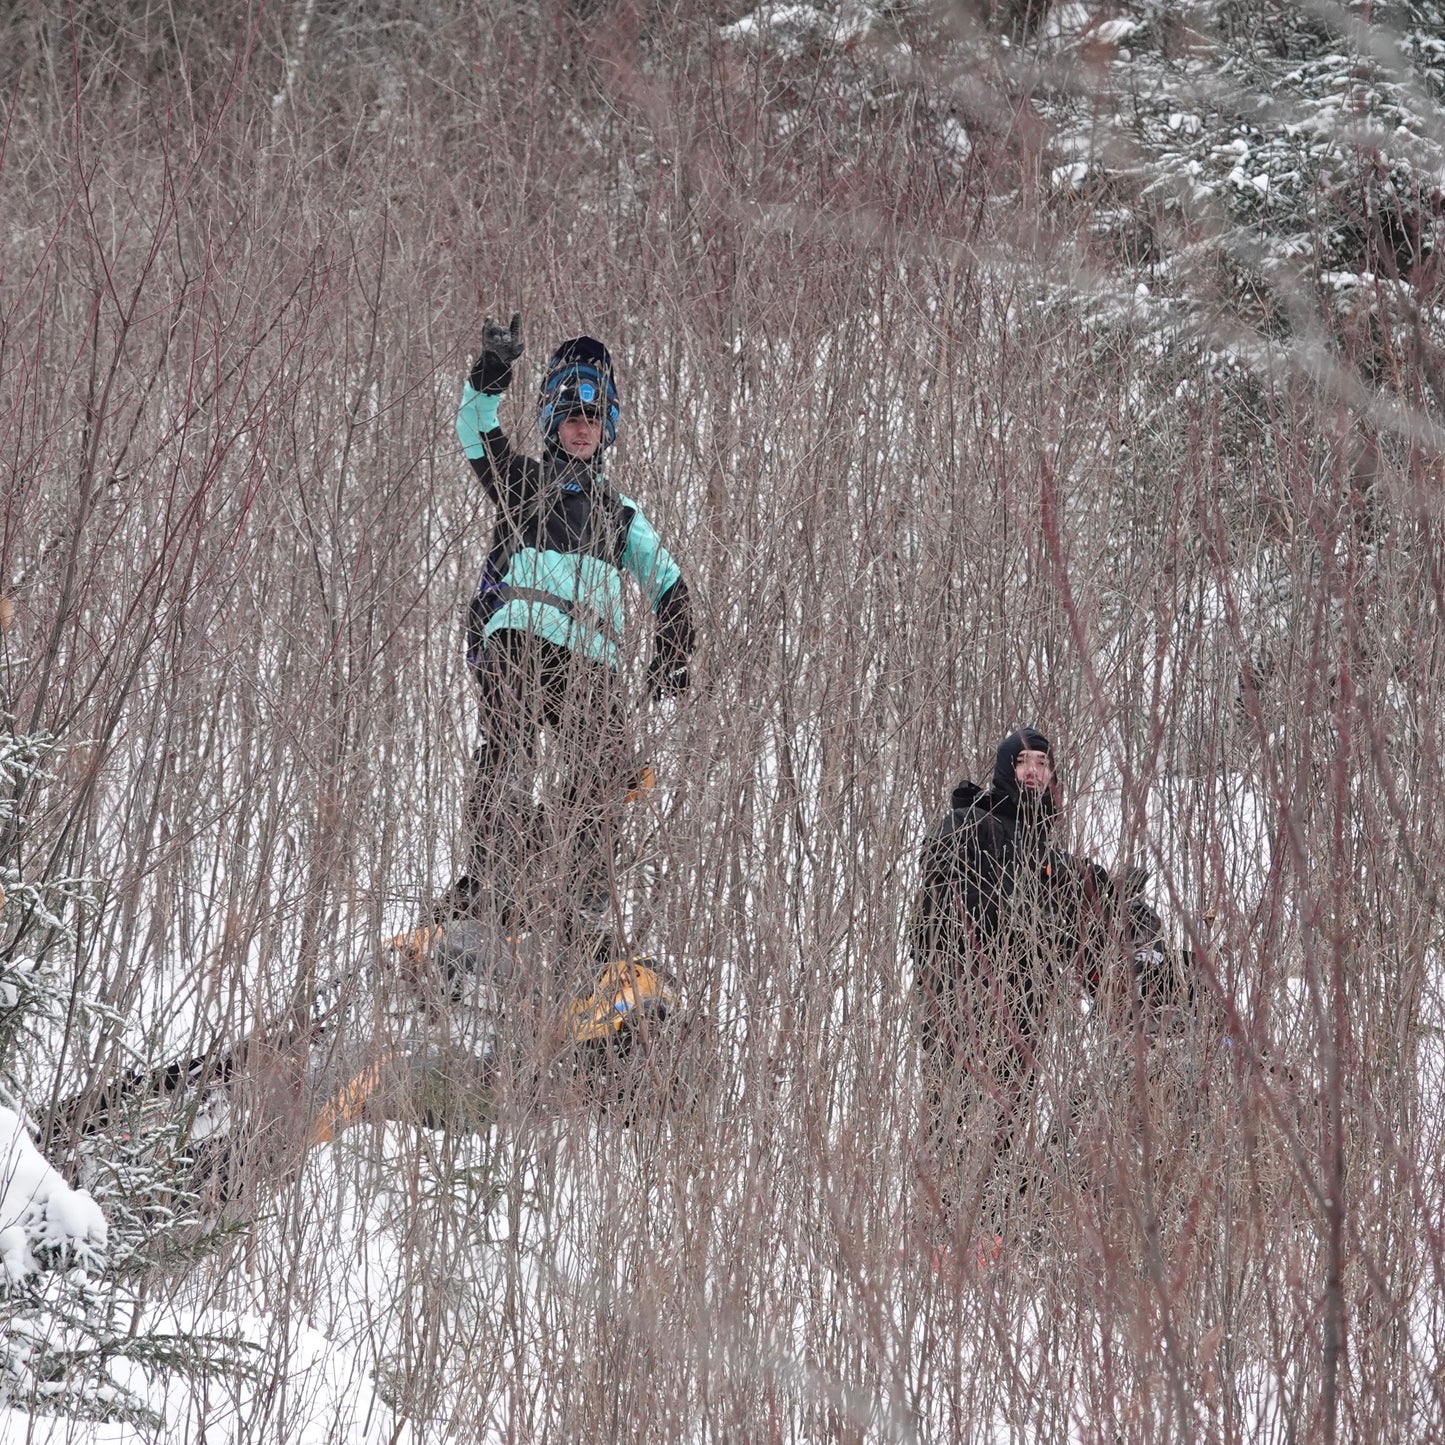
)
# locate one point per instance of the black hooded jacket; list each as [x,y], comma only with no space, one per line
[990,869]
[995,888]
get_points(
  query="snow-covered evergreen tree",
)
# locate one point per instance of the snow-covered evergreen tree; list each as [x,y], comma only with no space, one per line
[68,1266]
[1239,174]
[1256,174]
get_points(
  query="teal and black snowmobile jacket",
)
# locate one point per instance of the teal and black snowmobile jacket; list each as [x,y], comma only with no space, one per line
[562,541]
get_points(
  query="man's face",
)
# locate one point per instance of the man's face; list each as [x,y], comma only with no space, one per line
[1033,770]
[580,435]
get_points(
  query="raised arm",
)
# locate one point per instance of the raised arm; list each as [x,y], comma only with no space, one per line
[510,479]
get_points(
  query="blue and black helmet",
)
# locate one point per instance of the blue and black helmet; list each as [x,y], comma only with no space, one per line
[579,379]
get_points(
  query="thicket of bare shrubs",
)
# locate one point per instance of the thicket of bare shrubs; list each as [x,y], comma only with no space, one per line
[246,255]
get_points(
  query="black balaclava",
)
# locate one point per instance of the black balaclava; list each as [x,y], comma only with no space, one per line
[1005,785]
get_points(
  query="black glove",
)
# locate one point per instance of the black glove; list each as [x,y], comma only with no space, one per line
[501,346]
[667,677]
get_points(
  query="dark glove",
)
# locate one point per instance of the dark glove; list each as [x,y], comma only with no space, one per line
[501,346]
[666,677]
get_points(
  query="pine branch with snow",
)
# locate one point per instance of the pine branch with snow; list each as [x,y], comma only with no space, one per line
[67,1272]
[1267,170]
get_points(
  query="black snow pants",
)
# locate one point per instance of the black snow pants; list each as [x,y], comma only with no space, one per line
[983,1018]
[549,866]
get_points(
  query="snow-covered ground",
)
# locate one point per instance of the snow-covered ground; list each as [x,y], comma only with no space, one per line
[311,1390]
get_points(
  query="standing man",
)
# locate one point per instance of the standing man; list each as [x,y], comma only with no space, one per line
[545,628]
[1003,920]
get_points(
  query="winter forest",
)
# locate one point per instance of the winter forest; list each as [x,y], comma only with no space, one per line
[982,363]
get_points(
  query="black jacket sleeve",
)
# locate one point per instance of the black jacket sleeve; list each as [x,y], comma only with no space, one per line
[945,917]
[511,479]
[675,637]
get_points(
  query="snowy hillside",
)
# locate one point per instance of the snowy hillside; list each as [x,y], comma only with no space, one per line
[980,364]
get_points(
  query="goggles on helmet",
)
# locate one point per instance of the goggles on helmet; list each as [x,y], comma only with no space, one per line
[579,389]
